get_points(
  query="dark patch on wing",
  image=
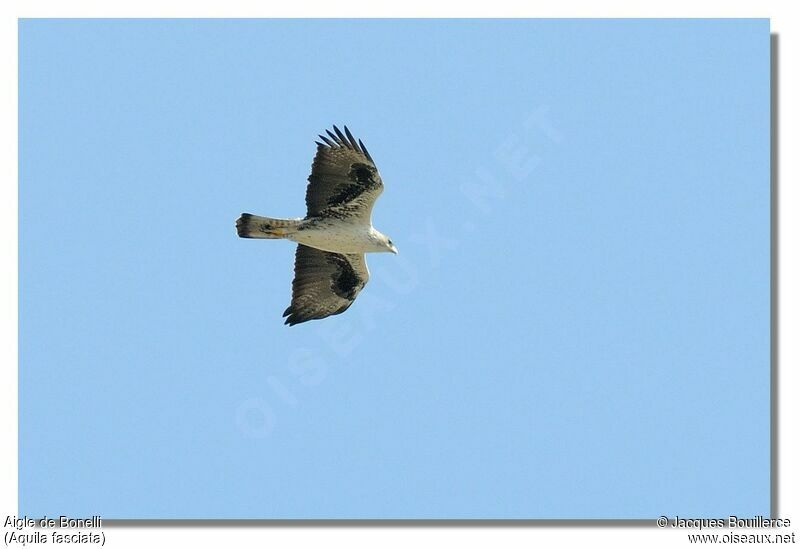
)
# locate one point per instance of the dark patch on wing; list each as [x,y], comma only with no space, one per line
[363,178]
[362,173]
[345,283]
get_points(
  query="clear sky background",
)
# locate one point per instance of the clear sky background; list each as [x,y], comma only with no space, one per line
[577,325]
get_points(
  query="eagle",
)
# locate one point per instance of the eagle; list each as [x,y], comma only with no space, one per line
[330,268]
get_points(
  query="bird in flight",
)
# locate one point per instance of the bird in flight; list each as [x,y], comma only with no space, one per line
[329,266]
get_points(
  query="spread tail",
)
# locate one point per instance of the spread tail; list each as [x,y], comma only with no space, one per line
[254,226]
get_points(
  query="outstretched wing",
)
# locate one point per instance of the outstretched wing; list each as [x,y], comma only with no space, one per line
[325,283]
[343,176]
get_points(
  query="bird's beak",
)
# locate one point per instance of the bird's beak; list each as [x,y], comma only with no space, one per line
[394,249]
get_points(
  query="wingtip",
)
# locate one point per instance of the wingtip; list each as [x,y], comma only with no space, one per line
[353,142]
[365,151]
[327,141]
[342,139]
[291,319]
[333,136]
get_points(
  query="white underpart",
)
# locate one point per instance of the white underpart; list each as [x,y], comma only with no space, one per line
[339,236]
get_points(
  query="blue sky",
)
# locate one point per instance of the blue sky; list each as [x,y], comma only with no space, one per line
[577,325]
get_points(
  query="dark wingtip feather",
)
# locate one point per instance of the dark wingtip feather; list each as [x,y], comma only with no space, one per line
[346,140]
[365,151]
[293,320]
[342,138]
[336,139]
[352,140]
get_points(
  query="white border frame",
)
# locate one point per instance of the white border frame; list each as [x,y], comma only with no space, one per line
[783,22]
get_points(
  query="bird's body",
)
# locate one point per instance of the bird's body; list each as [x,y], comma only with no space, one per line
[323,233]
[330,267]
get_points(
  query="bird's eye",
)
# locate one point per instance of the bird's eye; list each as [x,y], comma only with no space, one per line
[390,243]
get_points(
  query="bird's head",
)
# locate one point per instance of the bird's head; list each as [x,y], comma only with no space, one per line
[379,242]
[388,246]
[382,242]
